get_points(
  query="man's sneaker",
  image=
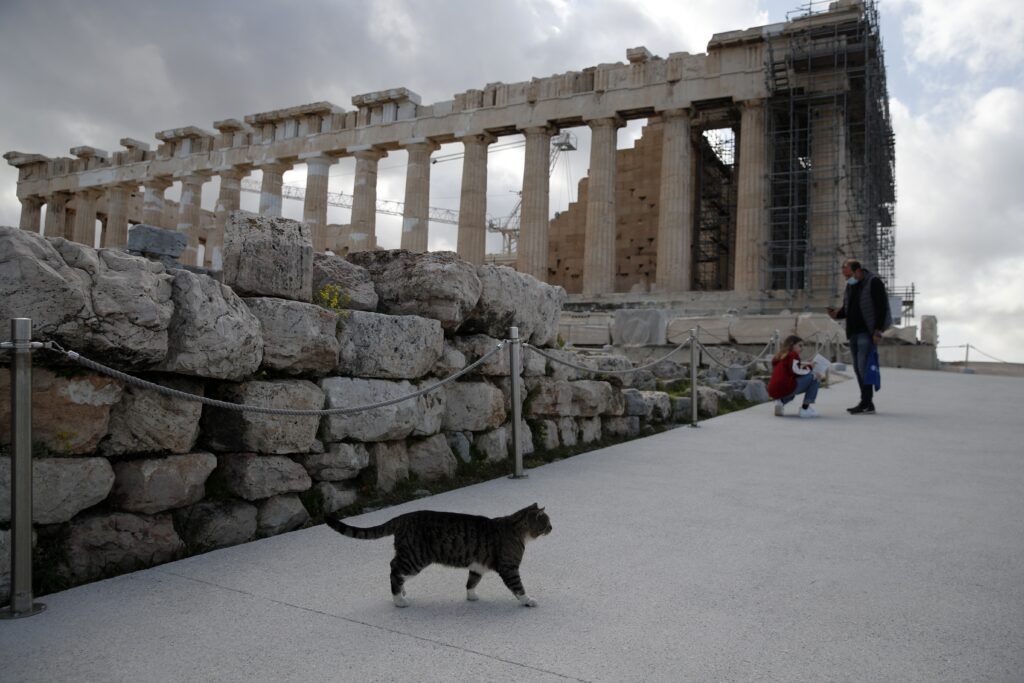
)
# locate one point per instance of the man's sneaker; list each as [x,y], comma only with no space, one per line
[780,409]
[863,409]
[809,411]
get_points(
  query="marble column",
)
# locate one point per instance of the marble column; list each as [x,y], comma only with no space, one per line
[190,212]
[31,209]
[534,220]
[56,214]
[153,201]
[472,239]
[115,236]
[85,217]
[228,200]
[751,200]
[270,189]
[417,195]
[675,204]
[314,208]
[364,200]
[599,242]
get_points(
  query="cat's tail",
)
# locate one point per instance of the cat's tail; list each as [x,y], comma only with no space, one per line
[380,531]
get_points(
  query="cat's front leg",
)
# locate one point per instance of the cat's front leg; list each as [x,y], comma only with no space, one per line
[510,575]
[474,579]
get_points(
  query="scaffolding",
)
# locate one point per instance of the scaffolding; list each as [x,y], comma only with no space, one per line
[715,217]
[831,174]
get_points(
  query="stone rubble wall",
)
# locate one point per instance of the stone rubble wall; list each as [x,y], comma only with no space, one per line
[126,478]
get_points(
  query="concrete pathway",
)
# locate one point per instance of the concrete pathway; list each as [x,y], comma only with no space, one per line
[874,548]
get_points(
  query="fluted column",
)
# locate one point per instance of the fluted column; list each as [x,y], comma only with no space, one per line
[472,239]
[751,196]
[228,200]
[190,212]
[85,217]
[364,199]
[534,221]
[56,214]
[314,208]
[417,195]
[270,188]
[599,241]
[675,204]
[153,201]
[30,212]
[115,236]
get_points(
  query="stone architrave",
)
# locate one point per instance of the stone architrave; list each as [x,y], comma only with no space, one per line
[375,345]
[431,459]
[334,275]
[146,421]
[236,431]
[211,524]
[279,514]
[61,487]
[69,414]
[212,332]
[150,485]
[758,329]
[340,462]
[387,423]
[268,256]
[103,545]
[639,327]
[436,285]
[473,406]
[298,338]
[253,477]
[390,461]
[509,298]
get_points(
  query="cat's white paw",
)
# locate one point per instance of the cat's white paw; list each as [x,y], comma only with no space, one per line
[472,596]
[400,601]
[526,601]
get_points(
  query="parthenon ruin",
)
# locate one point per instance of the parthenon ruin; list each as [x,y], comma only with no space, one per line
[803,179]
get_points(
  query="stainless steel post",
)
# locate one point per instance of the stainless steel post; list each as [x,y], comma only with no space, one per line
[516,375]
[694,360]
[21,474]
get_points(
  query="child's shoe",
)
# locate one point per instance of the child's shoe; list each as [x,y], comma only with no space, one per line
[780,409]
[809,411]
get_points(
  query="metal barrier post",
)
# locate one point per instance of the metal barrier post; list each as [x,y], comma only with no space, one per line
[693,378]
[21,474]
[516,375]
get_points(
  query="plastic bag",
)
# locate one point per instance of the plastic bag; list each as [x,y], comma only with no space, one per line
[872,372]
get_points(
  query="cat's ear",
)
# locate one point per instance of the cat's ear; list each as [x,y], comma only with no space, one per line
[534,507]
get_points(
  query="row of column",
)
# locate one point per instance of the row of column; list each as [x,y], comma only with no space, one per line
[675,218]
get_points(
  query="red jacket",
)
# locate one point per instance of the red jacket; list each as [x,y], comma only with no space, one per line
[783,381]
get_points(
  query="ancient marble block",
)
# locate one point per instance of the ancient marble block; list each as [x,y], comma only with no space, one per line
[159,244]
[635,403]
[548,397]
[758,329]
[339,462]
[61,487]
[620,427]
[559,370]
[710,330]
[146,421]
[226,430]
[593,397]
[493,445]
[114,543]
[268,256]
[252,476]
[390,462]
[659,405]
[476,346]
[386,423]
[509,298]
[334,278]
[279,514]
[431,458]
[211,524]
[473,406]
[330,496]
[298,338]
[818,328]
[149,485]
[639,327]
[374,345]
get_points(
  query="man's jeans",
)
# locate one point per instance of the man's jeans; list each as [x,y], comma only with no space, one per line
[860,346]
[807,385]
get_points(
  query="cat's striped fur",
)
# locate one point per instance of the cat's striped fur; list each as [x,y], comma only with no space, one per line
[480,544]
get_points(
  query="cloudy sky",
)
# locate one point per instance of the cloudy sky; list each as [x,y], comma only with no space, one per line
[89,73]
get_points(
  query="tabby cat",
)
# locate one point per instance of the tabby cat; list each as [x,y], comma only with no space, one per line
[479,544]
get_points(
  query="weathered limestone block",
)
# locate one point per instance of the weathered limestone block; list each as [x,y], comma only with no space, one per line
[388,346]
[104,304]
[145,421]
[451,361]
[929,330]
[387,423]
[150,485]
[437,285]
[682,409]
[5,566]
[472,406]
[526,447]
[561,371]
[817,328]
[236,431]
[298,338]
[432,407]
[157,244]
[590,429]
[475,346]
[755,390]
[635,403]
[253,477]
[390,461]
[639,327]
[585,329]
[493,445]
[69,414]
[548,397]
[104,545]
[735,373]
[329,497]
[340,462]
[213,524]
[61,487]
[707,401]
[509,298]
[268,256]
[621,427]
[279,514]
[660,405]
[212,332]
[711,330]
[568,431]
[758,329]
[333,276]
[617,364]
[460,444]
[546,434]
[593,397]
[534,364]
[431,459]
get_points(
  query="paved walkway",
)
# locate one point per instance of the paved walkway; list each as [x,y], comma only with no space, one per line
[884,548]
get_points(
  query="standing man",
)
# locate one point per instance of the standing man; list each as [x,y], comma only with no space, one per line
[866,311]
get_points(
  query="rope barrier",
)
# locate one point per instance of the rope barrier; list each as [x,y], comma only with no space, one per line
[607,372]
[135,381]
[757,358]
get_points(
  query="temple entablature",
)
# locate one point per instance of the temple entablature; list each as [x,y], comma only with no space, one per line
[181,142]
